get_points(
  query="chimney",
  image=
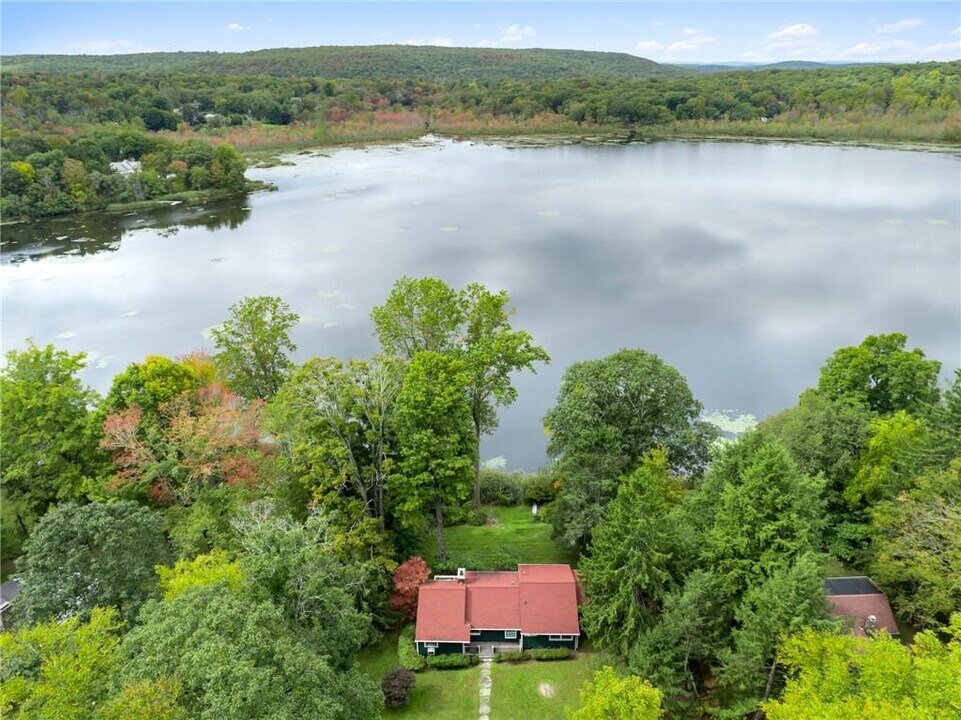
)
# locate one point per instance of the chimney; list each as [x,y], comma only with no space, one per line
[461,574]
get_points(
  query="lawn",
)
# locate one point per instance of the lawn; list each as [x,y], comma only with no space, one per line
[513,527]
[516,689]
[541,690]
[438,694]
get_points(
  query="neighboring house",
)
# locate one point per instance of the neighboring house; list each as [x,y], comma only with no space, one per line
[860,599]
[535,607]
[126,167]
[8,592]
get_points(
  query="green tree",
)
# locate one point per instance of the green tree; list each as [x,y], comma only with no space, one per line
[493,350]
[419,314]
[880,374]
[917,547]
[609,414]
[790,600]
[630,564]
[609,697]
[237,658]
[886,463]
[840,676]
[826,437]
[252,345]
[335,420]
[435,439]
[150,384]
[47,443]
[291,565]
[61,669]
[762,513]
[208,569]
[690,630]
[82,556]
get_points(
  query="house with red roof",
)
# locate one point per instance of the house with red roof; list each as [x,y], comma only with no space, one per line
[859,600]
[534,607]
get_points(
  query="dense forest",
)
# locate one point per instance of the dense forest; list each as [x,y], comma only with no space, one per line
[370,62]
[66,119]
[222,534]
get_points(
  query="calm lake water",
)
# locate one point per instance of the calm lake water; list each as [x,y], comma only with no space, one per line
[742,265]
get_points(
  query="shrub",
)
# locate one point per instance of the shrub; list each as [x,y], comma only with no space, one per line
[396,687]
[552,653]
[505,558]
[541,488]
[512,656]
[407,652]
[450,565]
[408,577]
[448,662]
[502,488]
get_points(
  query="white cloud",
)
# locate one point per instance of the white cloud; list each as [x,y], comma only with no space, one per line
[900,26]
[956,31]
[882,49]
[434,41]
[657,24]
[943,51]
[647,45]
[752,56]
[236,27]
[682,46]
[516,33]
[108,47]
[799,30]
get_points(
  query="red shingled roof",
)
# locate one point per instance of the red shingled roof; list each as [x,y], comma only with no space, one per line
[441,612]
[860,606]
[537,600]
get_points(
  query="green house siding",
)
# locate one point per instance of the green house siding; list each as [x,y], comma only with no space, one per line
[493,636]
[442,648]
[532,642]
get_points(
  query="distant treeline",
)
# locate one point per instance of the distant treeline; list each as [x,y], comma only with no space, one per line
[372,62]
[61,130]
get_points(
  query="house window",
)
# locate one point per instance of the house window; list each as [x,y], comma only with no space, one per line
[555,638]
[430,645]
[510,634]
[475,633]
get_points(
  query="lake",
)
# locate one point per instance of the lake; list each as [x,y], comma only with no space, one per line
[743,265]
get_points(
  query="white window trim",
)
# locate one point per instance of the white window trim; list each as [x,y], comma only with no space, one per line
[430,645]
[475,633]
[510,634]
[558,638]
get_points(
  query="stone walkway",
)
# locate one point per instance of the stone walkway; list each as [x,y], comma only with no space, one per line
[485,690]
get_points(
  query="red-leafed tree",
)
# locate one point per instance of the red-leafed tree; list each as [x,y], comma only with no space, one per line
[408,577]
[205,438]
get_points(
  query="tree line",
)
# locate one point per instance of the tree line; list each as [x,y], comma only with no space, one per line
[220,533]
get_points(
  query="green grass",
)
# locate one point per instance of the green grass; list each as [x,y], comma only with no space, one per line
[455,694]
[515,689]
[514,528]
[438,694]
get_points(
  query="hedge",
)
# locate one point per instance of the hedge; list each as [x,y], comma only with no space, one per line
[512,656]
[447,662]
[552,653]
[407,651]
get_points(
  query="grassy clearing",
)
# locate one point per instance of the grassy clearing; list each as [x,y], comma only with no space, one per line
[438,695]
[517,689]
[514,528]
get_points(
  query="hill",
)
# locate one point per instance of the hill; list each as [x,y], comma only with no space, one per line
[374,62]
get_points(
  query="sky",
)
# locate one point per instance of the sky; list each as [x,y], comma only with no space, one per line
[694,32]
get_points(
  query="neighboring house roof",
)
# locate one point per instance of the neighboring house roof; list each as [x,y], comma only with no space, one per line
[537,600]
[859,598]
[8,592]
[126,167]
